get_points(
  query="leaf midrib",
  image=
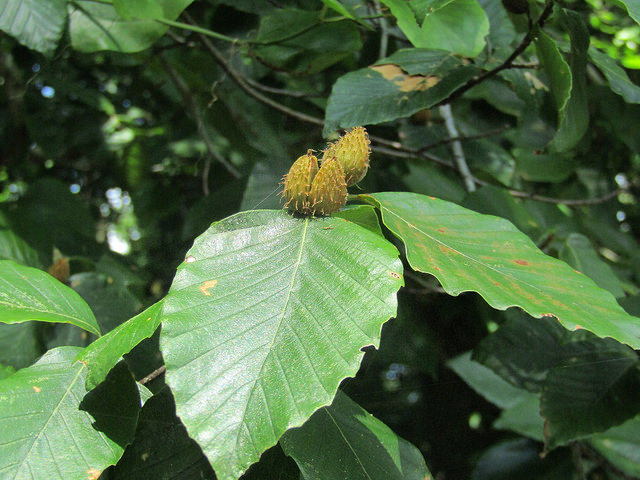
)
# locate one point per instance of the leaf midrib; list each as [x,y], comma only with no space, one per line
[277,330]
[53,413]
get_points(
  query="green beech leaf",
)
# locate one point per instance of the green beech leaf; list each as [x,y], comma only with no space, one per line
[536,167]
[355,445]
[523,418]
[458,25]
[6,370]
[523,350]
[105,352]
[365,217]
[44,433]
[560,79]
[342,10]
[633,7]
[621,446]
[580,254]
[13,247]
[128,9]
[520,407]
[30,294]
[468,251]
[616,76]
[95,26]
[574,119]
[265,318]
[36,24]
[384,92]
[590,392]
[298,40]
[487,383]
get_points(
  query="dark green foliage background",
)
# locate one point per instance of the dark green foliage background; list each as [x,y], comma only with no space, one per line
[186,130]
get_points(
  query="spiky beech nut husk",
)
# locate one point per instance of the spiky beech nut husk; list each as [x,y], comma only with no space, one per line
[297,183]
[352,151]
[516,6]
[328,190]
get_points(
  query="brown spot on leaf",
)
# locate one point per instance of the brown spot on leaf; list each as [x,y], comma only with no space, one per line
[578,327]
[395,275]
[204,288]
[442,230]
[497,284]
[37,389]
[519,261]
[93,474]
[190,259]
[405,82]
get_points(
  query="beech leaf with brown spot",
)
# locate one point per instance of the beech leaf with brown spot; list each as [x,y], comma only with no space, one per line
[469,251]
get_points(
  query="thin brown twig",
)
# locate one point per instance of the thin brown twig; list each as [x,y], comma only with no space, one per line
[462,138]
[525,66]
[239,80]
[192,108]
[582,202]
[153,375]
[526,41]
[280,91]
[398,151]
[407,153]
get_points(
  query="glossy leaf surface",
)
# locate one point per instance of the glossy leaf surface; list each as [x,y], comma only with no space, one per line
[105,352]
[264,319]
[355,445]
[455,25]
[34,23]
[43,432]
[385,92]
[96,26]
[30,294]
[616,76]
[468,251]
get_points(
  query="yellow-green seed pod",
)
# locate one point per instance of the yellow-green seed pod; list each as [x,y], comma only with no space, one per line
[352,151]
[297,183]
[329,189]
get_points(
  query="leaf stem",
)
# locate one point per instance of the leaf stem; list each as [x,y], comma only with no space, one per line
[200,30]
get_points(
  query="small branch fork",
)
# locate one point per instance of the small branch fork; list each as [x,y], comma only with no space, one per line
[394,148]
[534,27]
